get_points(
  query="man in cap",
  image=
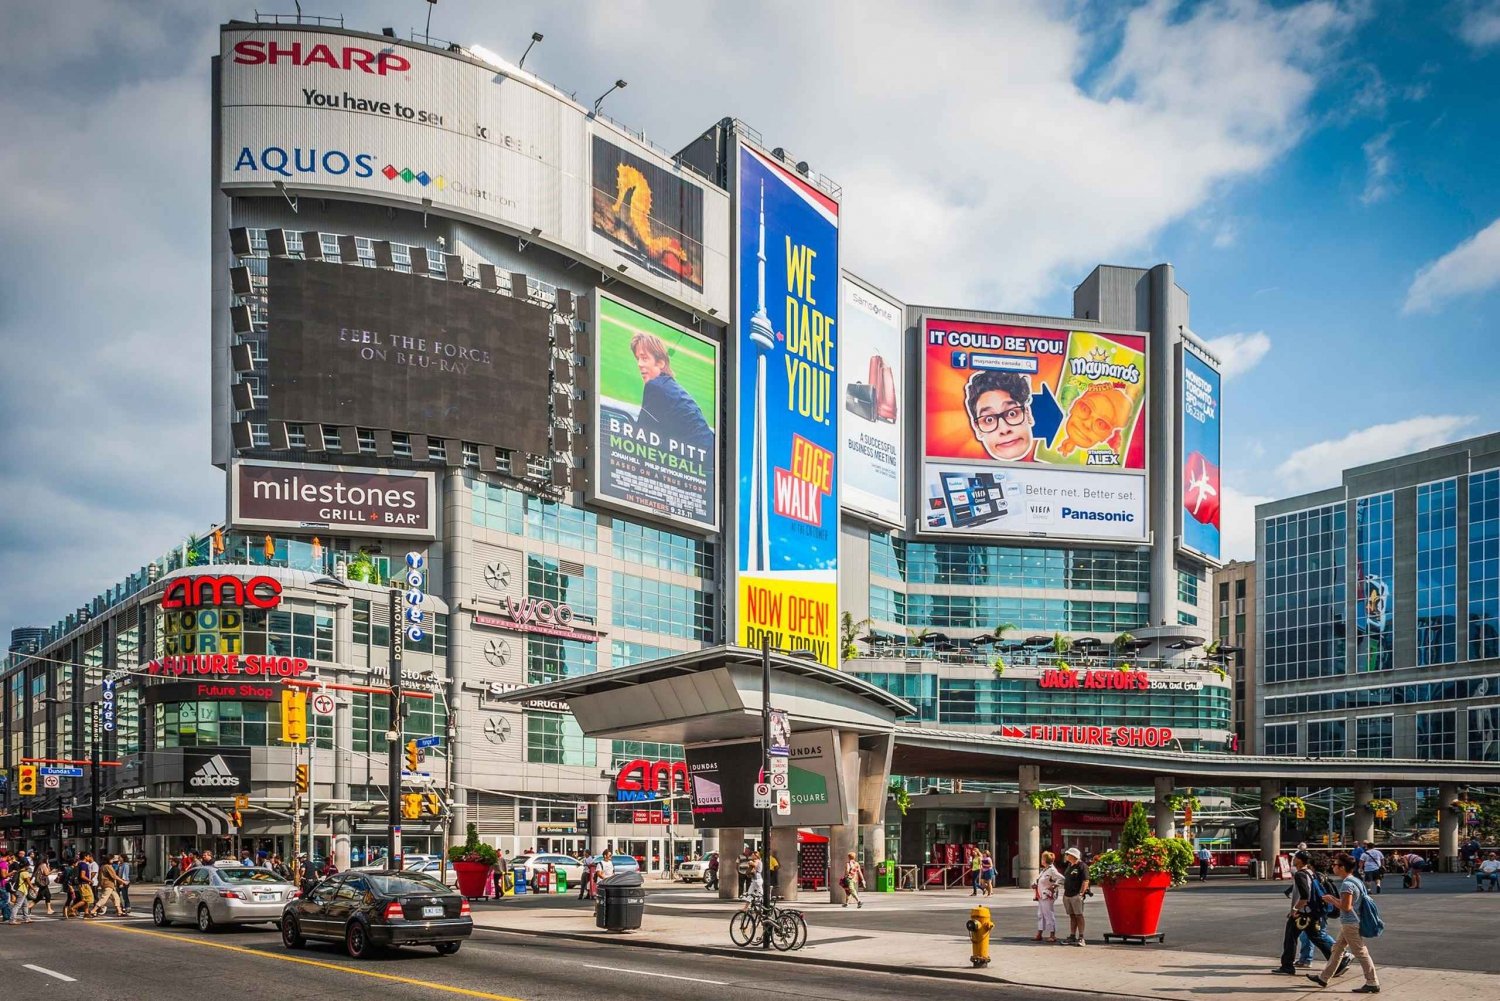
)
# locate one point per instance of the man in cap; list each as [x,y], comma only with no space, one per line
[1075,885]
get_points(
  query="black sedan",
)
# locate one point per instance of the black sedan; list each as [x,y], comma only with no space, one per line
[369,910]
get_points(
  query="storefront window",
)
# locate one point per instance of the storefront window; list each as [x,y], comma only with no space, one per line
[228,723]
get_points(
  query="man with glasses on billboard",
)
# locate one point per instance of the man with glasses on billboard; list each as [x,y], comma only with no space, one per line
[999,405]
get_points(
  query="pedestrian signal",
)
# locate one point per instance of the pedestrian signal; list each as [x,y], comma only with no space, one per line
[28,780]
[302,778]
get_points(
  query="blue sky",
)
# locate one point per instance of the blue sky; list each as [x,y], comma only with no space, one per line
[1322,174]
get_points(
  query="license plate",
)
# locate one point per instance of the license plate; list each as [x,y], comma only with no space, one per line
[265,896]
[433,912]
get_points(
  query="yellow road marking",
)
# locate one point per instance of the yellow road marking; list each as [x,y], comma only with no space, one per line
[446,988]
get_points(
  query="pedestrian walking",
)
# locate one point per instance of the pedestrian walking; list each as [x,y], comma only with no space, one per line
[743,869]
[1307,909]
[711,880]
[1317,931]
[1075,885]
[1205,862]
[25,892]
[586,885]
[1373,861]
[755,876]
[773,873]
[126,873]
[1044,891]
[853,881]
[987,873]
[42,880]
[1351,893]
[976,868]
[109,890]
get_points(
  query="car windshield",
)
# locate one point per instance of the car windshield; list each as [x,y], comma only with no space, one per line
[410,882]
[249,876]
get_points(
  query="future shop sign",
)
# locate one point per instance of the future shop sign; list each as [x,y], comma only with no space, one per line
[294,495]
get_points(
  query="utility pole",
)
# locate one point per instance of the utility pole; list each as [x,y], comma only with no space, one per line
[297,816]
[393,734]
[765,768]
[312,795]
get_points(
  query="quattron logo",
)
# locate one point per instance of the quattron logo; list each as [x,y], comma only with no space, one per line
[408,175]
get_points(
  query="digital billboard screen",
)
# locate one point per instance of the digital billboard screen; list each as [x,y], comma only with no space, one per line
[656,417]
[649,215]
[722,778]
[787,334]
[874,416]
[362,347]
[1200,456]
[1033,431]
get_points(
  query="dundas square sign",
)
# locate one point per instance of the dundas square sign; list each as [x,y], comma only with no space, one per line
[294,495]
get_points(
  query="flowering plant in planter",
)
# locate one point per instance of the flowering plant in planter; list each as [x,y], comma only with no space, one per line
[1289,804]
[1379,806]
[1141,854]
[472,850]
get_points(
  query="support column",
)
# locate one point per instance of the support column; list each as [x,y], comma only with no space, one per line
[1270,826]
[1448,821]
[873,836]
[784,844]
[731,846]
[1028,827]
[1163,815]
[1363,828]
[995,842]
[840,844]
[843,838]
[598,822]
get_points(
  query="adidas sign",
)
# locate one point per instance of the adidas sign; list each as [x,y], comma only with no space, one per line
[214,773]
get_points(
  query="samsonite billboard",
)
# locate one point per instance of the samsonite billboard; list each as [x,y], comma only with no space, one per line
[873,420]
[325,111]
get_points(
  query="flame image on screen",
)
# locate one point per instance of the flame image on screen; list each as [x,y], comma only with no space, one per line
[1096,418]
[628,220]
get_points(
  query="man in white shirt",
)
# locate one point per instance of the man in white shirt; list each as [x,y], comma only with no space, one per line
[1489,872]
[1373,861]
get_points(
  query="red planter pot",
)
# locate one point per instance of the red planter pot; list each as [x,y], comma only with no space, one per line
[472,877]
[1134,903]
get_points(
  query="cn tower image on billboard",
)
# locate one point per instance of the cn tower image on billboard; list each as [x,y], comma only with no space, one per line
[763,336]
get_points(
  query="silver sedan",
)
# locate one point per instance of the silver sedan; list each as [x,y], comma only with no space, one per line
[208,896]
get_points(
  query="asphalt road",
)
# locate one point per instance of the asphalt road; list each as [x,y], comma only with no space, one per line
[133,961]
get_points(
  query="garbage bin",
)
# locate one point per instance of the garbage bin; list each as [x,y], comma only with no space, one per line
[562,881]
[885,876]
[621,903]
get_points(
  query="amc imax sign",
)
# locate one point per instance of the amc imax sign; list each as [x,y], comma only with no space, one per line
[287,495]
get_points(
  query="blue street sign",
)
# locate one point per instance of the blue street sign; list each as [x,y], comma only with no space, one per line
[67,772]
[429,741]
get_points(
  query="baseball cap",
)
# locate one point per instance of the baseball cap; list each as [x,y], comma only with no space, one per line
[1074,852]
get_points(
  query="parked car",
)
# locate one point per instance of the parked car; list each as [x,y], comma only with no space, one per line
[209,896]
[562,863]
[695,870]
[368,911]
[435,868]
[622,863]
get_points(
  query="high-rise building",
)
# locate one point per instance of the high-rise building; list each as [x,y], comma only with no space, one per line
[1234,631]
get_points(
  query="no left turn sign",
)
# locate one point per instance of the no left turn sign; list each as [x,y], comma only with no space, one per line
[322,704]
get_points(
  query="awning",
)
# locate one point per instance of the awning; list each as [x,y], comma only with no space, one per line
[207,819]
[805,837]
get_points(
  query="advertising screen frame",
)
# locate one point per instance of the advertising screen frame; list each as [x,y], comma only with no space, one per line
[238,520]
[853,499]
[593,491]
[816,586]
[929,466]
[1187,526]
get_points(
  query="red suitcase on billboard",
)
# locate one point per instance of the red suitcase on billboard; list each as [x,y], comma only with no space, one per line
[883,381]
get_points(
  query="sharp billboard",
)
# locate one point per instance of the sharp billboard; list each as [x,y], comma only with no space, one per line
[656,417]
[399,123]
[787,337]
[871,388]
[1200,438]
[362,347]
[1033,432]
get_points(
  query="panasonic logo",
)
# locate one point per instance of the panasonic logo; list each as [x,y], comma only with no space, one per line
[215,772]
[1073,514]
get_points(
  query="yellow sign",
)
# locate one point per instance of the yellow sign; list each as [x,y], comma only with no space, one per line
[293,717]
[203,630]
[28,780]
[792,614]
[242,802]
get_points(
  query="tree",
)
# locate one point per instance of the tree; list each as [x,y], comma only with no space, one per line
[1123,641]
[999,631]
[848,633]
[918,636]
[1060,644]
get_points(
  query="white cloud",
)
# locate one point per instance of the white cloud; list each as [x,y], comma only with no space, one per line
[1237,524]
[1239,353]
[1480,27]
[1472,266]
[1321,464]
[1379,162]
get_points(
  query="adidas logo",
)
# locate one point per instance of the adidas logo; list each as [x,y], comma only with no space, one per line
[215,772]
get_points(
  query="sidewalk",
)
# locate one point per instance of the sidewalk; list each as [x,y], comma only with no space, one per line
[692,922]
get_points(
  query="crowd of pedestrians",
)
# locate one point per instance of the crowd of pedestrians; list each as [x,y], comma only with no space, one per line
[88,886]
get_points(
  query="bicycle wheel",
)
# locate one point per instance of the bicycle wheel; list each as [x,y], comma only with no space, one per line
[784,931]
[801,930]
[742,928]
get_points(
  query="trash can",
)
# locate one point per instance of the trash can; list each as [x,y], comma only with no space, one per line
[885,876]
[621,903]
[562,881]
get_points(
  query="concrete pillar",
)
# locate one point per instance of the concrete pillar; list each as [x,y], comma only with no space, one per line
[598,821]
[1448,821]
[784,844]
[731,845]
[995,840]
[1028,827]
[840,844]
[843,838]
[1270,826]
[873,836]
[1163,814]
[1363,828]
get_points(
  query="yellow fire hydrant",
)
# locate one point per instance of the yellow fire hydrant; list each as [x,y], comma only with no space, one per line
[979,926]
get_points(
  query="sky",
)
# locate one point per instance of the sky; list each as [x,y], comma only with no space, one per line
[1322,175]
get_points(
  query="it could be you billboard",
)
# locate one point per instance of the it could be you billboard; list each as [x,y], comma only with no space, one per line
[787,449]
[656,399]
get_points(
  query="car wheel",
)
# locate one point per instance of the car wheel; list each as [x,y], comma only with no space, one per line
[291,934]
[357,941]
[205,919]
[448,948]
[159,915]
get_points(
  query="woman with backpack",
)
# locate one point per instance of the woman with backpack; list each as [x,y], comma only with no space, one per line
[1351,898]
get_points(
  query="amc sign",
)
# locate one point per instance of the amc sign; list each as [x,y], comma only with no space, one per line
[640,780]
[197,592]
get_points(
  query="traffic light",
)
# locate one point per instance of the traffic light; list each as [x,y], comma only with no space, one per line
[302,778]
[433,804]
[413,756]
[293,716]
[411,805]
[28,780]
[235,819]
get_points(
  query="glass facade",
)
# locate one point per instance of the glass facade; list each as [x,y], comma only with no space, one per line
[1326,738]
[1374,573]
[556,739]
[1374,737]
[1304,613]
[1437,573]
[1484,565]
[1281,739]
[1437,735]
[1484,733]
[229,723]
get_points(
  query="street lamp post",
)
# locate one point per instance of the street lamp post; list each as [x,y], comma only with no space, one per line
[765,764]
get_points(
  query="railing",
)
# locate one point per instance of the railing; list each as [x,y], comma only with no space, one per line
[334,20]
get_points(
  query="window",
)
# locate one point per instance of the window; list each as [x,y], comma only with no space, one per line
[1304,608]
[228,723]
[1373,737]
[1374,599]
[1281,739]
[623,653]
[646,546]
[1484,566]
[1187,586]
[1437,573]
[1437,736]
[659,607]
[1187,619]
[1325,738]
[1484,734]
[564,582]
[556,739]
[549,659]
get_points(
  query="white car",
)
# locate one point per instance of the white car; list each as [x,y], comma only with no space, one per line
[431,866]
[693,871]
[562,863]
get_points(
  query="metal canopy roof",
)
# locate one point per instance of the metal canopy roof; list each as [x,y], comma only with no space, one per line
[714,694]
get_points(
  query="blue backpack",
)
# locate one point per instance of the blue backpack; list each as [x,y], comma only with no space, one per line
[1370,924]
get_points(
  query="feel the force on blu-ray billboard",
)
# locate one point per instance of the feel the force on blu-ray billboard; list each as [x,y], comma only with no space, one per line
[1033,432]
[1200,456]
[787,335]
[656,417]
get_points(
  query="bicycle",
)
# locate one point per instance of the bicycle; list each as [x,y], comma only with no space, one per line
[747,926]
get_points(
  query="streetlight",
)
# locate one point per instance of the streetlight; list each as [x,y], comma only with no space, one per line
[619,85]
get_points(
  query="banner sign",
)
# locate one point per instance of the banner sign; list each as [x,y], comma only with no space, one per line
[535,615]
[263,665]
[1200,456]
[722,779]
[1105,736]
[216,771]
[656,417]
[1033,431]
[1119,681]
[871,384]
[295,495]
[787,435]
